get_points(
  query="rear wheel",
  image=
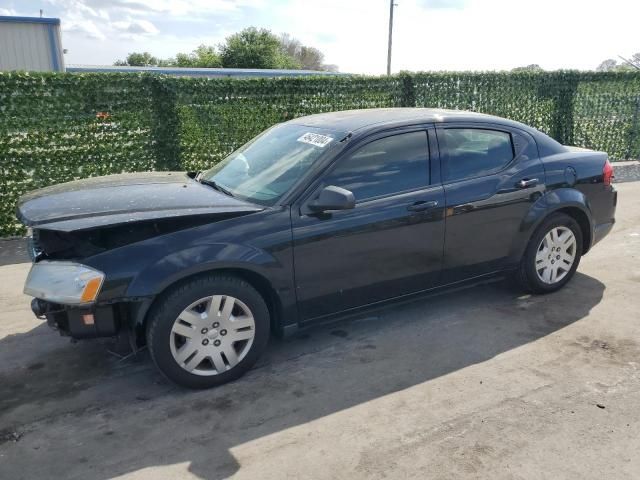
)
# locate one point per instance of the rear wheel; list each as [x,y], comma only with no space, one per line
[208,331]
[552,256]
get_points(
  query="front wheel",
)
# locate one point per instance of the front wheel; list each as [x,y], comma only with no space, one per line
[552,256]
[209,331]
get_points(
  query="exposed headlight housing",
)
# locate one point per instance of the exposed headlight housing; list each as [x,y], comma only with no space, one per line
[66,283]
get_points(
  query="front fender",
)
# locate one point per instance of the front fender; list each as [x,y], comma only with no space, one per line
[258,244]
[544,206]
[176,266]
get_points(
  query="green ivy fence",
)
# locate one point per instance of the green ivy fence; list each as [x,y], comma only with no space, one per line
[60,127]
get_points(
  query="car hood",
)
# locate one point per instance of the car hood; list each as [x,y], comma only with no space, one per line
[119,199]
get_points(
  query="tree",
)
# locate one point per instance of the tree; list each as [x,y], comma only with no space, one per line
[202,57]
[534,67]
[309,58]
[607,65]
[611,65]
[253,48]
[289,45]
[138,59]
[250,48]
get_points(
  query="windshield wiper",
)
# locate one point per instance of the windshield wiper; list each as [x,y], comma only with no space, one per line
[215,186]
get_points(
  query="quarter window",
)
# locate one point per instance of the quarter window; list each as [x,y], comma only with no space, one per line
[473,152]
[384,167]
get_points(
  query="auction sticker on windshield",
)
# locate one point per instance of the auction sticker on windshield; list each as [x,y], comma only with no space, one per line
[315,139]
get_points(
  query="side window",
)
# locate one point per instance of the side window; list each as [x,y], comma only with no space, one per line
[473,152]
[383,167]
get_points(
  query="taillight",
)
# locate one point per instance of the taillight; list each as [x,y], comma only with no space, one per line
[607,173]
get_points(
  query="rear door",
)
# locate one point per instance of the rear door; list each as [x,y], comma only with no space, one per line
[491,176]
[390,244]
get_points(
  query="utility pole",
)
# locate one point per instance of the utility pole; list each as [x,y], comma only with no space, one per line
[391,5]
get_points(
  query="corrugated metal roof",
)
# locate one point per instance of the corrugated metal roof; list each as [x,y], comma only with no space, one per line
[10,19]
[200,72]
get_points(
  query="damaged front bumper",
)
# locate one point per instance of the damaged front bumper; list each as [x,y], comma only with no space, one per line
[81,322]
[66,295]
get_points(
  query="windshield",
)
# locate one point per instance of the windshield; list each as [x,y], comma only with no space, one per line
[264,169]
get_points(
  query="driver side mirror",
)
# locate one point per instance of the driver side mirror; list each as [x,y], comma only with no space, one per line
[333,198]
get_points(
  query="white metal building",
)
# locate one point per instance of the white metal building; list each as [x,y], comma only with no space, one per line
[30,43]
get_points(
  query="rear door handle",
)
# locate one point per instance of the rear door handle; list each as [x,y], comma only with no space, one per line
[422,205]
[527,183]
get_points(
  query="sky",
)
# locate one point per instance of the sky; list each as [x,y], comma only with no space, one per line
[428,34]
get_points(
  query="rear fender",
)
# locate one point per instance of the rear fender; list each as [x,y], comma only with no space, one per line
[548,203]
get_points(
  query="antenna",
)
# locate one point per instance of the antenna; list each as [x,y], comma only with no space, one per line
[41,12]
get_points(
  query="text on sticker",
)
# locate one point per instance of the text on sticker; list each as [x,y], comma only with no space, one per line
[315,139]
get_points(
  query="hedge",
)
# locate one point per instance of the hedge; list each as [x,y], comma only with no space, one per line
[56,127]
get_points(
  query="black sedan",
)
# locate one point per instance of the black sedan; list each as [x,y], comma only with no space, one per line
[312,219]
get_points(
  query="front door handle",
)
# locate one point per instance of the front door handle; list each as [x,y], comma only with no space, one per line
[527,183]
[422,205]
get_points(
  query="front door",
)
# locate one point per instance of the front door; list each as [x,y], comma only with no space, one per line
[389,245]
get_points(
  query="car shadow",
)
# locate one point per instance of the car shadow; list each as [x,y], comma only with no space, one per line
[13,251]
[108,416]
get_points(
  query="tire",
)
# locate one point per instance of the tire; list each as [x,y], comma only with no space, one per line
[535,273]
[208,331]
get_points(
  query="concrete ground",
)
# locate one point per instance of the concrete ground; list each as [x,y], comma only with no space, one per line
[480,383]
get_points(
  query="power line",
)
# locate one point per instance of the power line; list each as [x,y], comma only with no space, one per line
[630,62]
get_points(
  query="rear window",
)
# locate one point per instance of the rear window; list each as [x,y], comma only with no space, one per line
[474,152]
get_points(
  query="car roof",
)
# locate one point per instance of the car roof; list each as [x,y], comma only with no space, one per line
[354,120]
[365,120]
